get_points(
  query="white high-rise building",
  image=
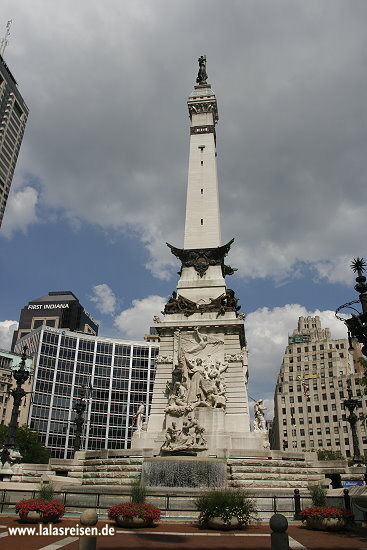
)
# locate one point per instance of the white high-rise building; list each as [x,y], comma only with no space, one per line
[310,392]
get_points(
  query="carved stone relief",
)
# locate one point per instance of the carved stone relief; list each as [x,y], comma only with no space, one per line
[197,374]
[190,438]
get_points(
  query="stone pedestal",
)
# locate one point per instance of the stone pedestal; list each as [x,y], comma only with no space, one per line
[200,392]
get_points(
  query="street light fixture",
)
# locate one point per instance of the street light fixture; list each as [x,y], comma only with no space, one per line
[357,332]
[351,404]
[357,323]
[9,452]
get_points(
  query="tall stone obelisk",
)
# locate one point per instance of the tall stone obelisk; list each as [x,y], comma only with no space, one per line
[200,402]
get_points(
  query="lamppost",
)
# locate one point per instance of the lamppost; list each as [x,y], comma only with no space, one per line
[357,324]
[351,404]
[357,332]
[21,375]
[79,407]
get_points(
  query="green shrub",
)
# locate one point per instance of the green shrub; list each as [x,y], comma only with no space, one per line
[138,492]
[323,454]
[226,504]
[46,490]
[318,495]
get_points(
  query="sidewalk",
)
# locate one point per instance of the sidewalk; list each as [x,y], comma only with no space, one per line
[168,536]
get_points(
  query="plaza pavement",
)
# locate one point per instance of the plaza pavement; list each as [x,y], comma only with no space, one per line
[185,536]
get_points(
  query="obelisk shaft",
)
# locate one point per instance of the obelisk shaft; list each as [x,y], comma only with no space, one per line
[202,225]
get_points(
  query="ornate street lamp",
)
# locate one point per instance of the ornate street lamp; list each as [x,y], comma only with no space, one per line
[21,375]
[351,404]
[357,332]
[79,407]
[357,323]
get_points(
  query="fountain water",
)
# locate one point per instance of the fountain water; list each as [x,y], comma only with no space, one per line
[184,473]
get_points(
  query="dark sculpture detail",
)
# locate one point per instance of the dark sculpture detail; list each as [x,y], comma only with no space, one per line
[202,258]
[224,302]
[179,304]
[202,76]
[79,407]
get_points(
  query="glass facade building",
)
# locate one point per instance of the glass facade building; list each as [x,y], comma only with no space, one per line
[119,375]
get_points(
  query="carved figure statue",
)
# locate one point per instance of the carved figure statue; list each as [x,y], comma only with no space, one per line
[202,76]
[196,372]
[139,417]
[202,341]
[259,421]
[171,436]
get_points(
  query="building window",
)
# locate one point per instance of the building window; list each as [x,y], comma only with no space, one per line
[300,410]
[202,221]
[326,419]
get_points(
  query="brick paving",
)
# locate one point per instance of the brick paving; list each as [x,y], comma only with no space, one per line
[182,536]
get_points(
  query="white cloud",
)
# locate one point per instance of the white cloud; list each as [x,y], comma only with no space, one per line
[104,298]
[267,333]
[136,321]
[20,211]
[6,333]
[291,136]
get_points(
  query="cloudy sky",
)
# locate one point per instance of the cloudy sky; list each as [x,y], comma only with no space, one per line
[101,178]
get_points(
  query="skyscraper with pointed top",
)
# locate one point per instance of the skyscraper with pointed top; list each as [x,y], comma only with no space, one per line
[200,401]
[13,118]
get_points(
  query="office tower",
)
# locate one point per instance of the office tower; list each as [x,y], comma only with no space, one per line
[310,392]
[118,376]
[13,118]
[60,309]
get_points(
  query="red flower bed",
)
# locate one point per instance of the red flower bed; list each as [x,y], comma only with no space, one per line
[130,510]
[326,512]
[50,509]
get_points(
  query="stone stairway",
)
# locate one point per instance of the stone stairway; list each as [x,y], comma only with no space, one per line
[260,475]
[111,471]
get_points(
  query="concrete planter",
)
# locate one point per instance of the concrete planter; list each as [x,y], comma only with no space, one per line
[133,522]
[326,524]
[31,517]
[218,523]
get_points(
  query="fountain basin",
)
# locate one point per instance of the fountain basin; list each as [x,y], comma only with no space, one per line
[184,472]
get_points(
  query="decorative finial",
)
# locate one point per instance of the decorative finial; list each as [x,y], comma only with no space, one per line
[202,76]
[4,41]
[358,265]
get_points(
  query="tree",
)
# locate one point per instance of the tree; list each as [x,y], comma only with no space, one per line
[29,444]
